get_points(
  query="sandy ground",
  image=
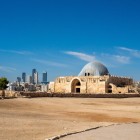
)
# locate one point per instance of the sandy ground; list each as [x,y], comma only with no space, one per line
[41,118]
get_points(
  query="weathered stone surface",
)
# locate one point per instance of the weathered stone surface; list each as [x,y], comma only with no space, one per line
[8,94]
[92,84]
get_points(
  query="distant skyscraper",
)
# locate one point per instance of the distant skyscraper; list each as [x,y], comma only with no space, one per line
[36,78]
[24,77]
[33,76]
[44,77]
[18,79]
[29,79]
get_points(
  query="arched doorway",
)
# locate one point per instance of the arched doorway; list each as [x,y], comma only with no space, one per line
[75,86]
[109,89]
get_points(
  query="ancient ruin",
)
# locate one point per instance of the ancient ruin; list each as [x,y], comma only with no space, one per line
[93,78]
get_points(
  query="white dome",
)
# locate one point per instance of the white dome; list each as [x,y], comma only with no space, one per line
[94,69]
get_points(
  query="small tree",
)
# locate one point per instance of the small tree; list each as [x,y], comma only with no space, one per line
[3,83]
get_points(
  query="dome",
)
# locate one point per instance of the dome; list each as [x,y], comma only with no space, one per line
[94,69]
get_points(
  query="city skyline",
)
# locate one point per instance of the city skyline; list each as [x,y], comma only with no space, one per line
[60,37]
[32,78]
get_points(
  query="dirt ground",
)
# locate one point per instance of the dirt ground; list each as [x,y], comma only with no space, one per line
[41,118]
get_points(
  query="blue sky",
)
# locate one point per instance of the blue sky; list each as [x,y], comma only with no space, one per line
[61,36]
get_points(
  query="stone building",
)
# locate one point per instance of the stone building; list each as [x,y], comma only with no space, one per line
[93,78]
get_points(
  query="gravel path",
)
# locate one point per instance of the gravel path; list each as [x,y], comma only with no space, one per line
[115,132]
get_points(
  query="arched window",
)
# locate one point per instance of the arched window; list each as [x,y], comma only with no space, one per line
[78,84]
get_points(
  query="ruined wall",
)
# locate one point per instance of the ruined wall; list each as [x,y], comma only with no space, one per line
[120,84]
[51,87]
[8,94]
[93,84]
[89,84]
[116,89]
[96,84]
[62,85]
[120,81]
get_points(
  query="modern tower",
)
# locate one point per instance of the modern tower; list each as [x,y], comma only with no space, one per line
[18,79]
[29,79]
[24,77]
[33,76]
[44,77]
[36,78]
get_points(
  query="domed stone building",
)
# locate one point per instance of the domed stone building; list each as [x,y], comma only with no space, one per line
[94,69]
[93,78]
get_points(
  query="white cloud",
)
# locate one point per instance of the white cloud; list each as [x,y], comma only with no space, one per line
[133,52]
[48,63]
[118,58]
[81,56]
[106,58]
[7,69]
[122,59]
[17,52]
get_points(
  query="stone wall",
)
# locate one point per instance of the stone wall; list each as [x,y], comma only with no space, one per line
[120,81]
[62,85]
[116,89]
[88,84]
[93,84]
[96,87]
[8,94]
[67,95]
[51,87]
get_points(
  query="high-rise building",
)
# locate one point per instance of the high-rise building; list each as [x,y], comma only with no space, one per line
[18,79]
[44,77]
[36,78]
[29,79]
[24,77]
[33,76]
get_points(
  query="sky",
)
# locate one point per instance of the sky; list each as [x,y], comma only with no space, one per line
[61,36]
